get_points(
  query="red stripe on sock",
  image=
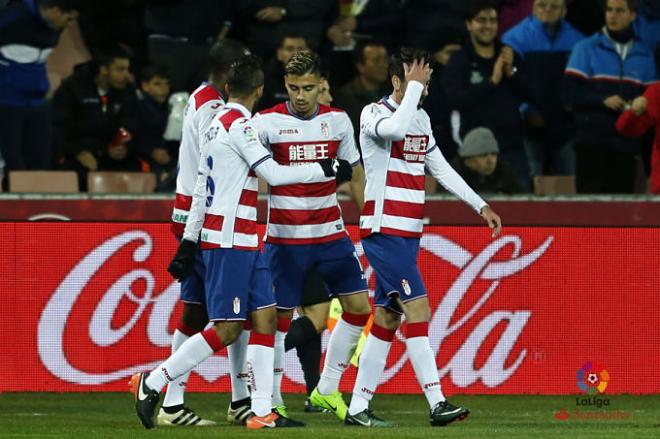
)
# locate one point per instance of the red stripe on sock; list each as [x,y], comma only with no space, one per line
[383,333]
[267,340]
[283,324]
[212,339]
[355,319]
[247,326]
[186,330]
[420,329]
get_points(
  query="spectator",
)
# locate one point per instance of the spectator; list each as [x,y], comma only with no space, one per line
[544,41]
[95,117]
[266,21]
[513,12]
[29,30]
[483,83]
[180,34]
[152,116]
[477,162]
[643,114]
[586,15]
[274,91]
[604,72]
[368,86]
[426,19]
[378,20]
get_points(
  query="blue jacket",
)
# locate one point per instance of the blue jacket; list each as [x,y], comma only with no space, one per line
[594,72]
[26,40]
[544,59]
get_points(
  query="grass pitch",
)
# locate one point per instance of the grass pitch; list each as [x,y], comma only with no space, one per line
[111,415]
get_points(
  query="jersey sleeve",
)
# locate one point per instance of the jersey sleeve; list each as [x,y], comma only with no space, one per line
[347,149]
[395,126]
[197,211]
[259,123]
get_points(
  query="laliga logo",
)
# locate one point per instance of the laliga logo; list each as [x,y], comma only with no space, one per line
[53,321]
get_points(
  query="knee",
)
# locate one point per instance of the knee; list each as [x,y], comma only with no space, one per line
[228,332]
[194,316]
[356,304]
[387,319]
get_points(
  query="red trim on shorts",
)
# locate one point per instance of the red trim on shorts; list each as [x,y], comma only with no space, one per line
[283,324]
[212,339]
[382,333]
[267,340]
[185,330]
[420,329]
[355,319]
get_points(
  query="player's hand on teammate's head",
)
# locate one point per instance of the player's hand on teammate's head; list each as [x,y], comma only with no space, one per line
[183,263]
[329,166]
[493,220]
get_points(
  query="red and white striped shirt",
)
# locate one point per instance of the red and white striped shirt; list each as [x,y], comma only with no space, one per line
[397,145]
[305,213]
[202,105]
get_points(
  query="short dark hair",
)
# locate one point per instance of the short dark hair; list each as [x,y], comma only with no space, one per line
[291,35]
[245,75]
[223,54]
[476,6]
[304,62]
[632,4]
[358,51]
[108,55]
[64,5]
[406,56]
[149,72]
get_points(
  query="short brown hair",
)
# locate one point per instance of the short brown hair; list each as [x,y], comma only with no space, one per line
[302,63]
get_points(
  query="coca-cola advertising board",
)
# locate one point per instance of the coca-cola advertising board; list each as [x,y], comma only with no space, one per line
[85,305]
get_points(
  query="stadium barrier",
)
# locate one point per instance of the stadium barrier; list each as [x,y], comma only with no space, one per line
[85,305]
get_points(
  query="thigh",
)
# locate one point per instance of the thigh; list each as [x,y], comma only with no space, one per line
[339,266]
[37,138]
[589,162]
[621,171]
[192,286]
[314,290]
[289,266]
[261,286]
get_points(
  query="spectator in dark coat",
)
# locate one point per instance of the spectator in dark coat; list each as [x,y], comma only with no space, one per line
[95,117]
[29,30]
[484,83]
[274,90]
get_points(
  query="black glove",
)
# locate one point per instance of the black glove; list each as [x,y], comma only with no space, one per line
[329,167]
[183,263]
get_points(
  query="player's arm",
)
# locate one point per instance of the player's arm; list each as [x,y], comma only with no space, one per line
[394,127]
[348,151]
[245,142]
[442,171]
[357,184]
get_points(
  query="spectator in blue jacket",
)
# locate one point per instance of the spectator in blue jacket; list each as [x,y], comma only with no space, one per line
[544,41]
[29,30]
[604,73]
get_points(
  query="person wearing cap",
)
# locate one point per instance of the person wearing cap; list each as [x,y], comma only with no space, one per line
[477,162]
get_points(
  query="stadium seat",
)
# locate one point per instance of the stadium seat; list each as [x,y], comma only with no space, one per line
[121,182]
[43,181]
[554,184]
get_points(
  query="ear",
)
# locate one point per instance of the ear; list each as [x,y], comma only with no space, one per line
[396,83]
[260,91]
[226,89]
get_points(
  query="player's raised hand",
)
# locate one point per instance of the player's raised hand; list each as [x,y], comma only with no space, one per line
[418,71]
[493,220]
[183,263]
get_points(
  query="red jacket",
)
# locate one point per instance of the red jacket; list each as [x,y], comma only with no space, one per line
[635,126]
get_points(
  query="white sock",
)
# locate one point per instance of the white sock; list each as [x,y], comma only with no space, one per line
[260,367]
[341,346]
[278,368]
[237,352]
[176,388]
[372,364]
[426,368]
[192,352]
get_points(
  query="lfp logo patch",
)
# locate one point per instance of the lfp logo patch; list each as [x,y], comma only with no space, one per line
[592,378]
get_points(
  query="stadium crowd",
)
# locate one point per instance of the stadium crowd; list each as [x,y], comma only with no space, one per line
[520,88]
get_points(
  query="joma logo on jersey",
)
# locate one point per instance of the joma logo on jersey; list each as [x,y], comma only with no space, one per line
[313,151]
[288,131]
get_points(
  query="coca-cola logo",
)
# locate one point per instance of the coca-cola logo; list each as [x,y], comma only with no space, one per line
[488,265]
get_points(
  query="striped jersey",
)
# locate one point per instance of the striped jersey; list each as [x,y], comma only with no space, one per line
[305,213]
[202,105]
[395,171]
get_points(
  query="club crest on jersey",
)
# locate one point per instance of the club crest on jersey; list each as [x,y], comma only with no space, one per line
[249,133]
[406,287]
[237,305]
[325,129]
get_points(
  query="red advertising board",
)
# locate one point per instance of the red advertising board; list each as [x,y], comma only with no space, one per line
[83,306]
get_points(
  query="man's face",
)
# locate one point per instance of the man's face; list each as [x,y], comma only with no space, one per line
[303,92]
[483,164]
[289,47]
[483,27]
[374,67]
[58,19]
[158,88]
[117,73]
[549,11]
[325,98]
[618,16]
[442,56]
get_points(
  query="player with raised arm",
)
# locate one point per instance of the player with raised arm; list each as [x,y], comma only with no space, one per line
[202,105]
[237,280]
[397,145]
[305,230]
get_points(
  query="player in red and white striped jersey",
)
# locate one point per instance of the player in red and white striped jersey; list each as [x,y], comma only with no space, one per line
[305,230]
[202,105]
[397,146]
